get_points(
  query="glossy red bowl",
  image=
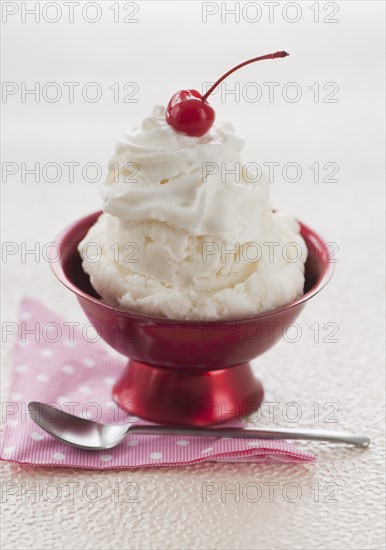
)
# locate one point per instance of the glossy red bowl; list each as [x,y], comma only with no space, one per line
[186,372]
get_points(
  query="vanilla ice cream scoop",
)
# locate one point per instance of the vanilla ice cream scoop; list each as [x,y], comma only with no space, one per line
[188,231]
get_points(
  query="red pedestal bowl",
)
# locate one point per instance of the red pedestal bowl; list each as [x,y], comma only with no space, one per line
[186,372]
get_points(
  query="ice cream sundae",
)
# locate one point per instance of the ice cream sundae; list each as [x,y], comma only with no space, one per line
[187,230]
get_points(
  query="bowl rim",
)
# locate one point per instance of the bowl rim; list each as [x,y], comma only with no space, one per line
[65,237]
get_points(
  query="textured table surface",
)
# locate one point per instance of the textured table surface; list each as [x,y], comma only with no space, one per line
[336,503]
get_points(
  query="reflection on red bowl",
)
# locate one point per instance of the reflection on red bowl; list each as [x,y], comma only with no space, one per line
[186,372]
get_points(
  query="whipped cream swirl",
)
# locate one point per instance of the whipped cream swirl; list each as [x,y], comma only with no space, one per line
[196,184]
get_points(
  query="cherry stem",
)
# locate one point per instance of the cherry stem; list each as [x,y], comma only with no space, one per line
[268,56]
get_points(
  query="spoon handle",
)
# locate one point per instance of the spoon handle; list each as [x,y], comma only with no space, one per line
[256,433]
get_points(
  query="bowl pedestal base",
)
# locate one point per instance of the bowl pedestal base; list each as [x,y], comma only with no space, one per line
[188,397]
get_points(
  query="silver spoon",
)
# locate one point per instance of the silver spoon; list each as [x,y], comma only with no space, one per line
[94,436]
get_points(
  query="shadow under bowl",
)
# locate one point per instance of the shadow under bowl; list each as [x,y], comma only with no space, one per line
[185,372]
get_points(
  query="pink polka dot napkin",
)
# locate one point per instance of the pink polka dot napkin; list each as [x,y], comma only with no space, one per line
[55,362]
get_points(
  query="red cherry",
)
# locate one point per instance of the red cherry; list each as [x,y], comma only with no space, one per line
[189,112]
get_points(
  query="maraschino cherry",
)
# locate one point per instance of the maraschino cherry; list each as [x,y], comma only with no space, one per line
[189,112]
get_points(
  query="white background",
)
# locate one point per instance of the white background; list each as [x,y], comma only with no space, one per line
[168,49]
